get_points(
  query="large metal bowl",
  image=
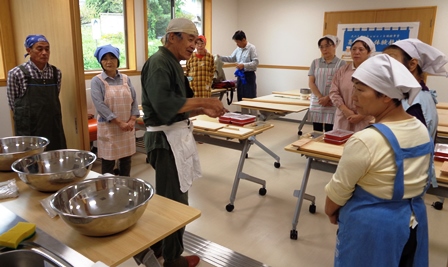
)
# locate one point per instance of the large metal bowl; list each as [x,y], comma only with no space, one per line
[103,206]
[53,170]
[16,147]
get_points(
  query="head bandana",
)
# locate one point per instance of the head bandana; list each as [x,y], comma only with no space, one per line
[388,76]
[430,59]
[202,37]
[102,50]
[32,39]
[182,25]
[333,38]
[369,42]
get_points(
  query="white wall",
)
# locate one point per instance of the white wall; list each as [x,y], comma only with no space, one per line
[285,32]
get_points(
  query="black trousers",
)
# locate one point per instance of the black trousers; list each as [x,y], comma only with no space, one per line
[124,166]
[407,257]
[248,90]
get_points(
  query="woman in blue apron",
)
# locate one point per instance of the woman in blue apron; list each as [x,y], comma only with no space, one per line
[375,196]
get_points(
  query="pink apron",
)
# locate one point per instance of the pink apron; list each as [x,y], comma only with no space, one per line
[113,143]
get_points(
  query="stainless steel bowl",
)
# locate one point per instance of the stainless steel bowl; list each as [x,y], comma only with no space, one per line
[16,147]
[103,206]
[52,170]
[305,91]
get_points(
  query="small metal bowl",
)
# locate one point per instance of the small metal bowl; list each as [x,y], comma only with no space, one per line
[103,206]
[16,147]
[305,91]
[52,170]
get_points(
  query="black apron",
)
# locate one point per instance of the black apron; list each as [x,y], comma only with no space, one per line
[38,111]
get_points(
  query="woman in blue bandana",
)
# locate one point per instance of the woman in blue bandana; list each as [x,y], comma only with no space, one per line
[33,95]
[115,101]
[376,193]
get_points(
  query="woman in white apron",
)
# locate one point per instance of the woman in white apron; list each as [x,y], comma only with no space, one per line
[115,101]
[376,193]
[320,76]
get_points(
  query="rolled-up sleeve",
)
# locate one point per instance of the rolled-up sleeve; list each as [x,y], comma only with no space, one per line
[353,165]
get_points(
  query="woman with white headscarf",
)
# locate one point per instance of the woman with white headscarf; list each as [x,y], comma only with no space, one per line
[346,117]
[320,76]
[376,193]
[420,58]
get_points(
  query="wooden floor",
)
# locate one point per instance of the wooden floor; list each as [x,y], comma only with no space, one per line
[259,226]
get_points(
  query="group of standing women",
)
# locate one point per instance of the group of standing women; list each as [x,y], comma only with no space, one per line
[376,194]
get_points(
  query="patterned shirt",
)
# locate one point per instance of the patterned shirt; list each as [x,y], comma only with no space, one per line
[202,71]
[16,82]
[247,56]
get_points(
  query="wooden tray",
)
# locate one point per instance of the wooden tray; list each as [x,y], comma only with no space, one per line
[323,148]
[239,131]
[208,125]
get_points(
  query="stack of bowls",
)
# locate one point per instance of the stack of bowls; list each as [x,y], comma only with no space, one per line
[102,206]
[53,170]
[17,147]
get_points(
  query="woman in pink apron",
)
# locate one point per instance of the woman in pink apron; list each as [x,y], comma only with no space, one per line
[115,101]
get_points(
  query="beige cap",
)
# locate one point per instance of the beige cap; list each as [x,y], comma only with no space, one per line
[182,25]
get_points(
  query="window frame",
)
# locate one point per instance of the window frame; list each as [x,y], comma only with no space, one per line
[129,14]
[7,59]
[207,23]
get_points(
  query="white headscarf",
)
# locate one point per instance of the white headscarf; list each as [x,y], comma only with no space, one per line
[333,38]
[388,76]
[369,42]
[430,59]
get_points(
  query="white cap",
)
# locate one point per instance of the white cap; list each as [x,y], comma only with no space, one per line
[388,76]
[430,59]
[333,38]
[368,41]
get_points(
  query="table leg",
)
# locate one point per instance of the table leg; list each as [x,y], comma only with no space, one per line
[302,122]
[267,150]
[301,195]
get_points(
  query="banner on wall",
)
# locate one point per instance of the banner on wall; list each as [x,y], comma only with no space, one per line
[382,34]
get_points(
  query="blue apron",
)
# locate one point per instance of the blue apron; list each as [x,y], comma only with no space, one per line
[373,231]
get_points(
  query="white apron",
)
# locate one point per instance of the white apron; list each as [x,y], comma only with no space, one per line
[113,143]
[182,143]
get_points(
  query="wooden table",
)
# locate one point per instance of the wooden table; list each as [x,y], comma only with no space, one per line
[323,151]
[161,218]
[275,105]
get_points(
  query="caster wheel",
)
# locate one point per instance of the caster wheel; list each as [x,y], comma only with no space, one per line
[262,191]
[277,165]
[312,208]
[247,155]
[437,205]
[293,234]
[116,172]
[299,133]
[229,207]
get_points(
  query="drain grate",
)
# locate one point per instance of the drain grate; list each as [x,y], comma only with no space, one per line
[215,254]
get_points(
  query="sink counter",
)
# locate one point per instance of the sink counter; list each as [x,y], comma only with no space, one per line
[161,218]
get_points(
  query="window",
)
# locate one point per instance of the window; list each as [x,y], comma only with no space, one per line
[159,14]
[103,22]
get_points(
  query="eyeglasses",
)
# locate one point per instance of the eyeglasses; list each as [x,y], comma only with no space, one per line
[325,46]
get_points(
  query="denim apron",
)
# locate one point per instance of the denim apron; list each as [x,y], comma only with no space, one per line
[373,231]
[38,111]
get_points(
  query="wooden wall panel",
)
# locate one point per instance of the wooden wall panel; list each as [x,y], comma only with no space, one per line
[58,22]
[425,15]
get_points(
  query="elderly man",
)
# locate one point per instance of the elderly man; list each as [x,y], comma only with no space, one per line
[167,103]
[33,94]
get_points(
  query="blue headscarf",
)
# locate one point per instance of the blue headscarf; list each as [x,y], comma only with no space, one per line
[102,50]
[32,39]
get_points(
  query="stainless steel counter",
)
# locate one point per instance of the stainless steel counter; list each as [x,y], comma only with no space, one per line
[41,239]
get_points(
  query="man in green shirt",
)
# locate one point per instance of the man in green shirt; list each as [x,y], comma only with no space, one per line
[167,104]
